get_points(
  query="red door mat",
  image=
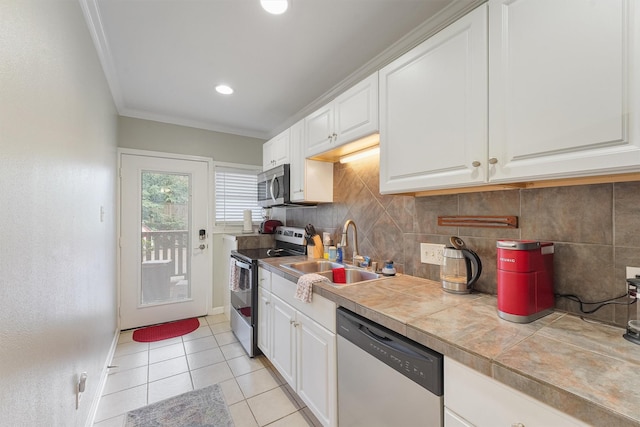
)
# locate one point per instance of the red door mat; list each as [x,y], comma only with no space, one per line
[166,330]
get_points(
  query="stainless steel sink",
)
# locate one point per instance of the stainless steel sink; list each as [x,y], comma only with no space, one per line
[312,266]
[352,275]
[324,268]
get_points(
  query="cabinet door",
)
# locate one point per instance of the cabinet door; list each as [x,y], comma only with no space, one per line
[563,88]
[433,110]
[311,180]
[316,359]
[319,130]
[356,111]
[267,155]
[283,348]
[451,419]
[264,321]
[298,157]
[276,151]
[485,402]
[281,148]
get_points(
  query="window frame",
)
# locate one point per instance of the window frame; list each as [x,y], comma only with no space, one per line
[233,226]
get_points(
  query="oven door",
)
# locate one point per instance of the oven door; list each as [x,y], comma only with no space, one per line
[241,286]
[243,316]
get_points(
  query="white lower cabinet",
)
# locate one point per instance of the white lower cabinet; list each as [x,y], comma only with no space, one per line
[472,399]
[302,349]
[264,311]
[283,346]
[316,369]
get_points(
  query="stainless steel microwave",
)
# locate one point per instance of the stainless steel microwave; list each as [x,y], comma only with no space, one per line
[273,186]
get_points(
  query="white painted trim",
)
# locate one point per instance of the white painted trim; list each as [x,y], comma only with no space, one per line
[428,28]
[210,213]
[217,310]
[95,403]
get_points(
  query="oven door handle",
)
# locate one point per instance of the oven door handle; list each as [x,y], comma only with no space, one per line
[243,265]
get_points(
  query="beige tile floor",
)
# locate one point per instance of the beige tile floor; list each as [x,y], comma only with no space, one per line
[149,372]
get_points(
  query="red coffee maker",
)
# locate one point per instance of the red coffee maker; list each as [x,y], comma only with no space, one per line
[525,280]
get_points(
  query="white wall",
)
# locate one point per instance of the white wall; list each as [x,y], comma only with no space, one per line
[168,138]
[57,258]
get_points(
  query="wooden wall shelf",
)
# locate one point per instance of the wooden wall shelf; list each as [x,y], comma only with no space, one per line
[483,221]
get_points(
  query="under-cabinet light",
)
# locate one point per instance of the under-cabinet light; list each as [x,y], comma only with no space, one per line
[360,155]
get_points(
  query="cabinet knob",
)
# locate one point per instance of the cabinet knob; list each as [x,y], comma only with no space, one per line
[476,164]
[267,302]
[493,161]
[330,137]
[517,425]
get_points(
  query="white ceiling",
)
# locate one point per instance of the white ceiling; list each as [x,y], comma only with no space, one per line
[163,58]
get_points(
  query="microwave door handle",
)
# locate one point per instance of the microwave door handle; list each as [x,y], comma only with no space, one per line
[273,181]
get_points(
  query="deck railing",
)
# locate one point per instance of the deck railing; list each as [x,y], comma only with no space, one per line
[167,245]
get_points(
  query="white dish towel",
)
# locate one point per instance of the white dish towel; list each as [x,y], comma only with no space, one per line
[234,276]
[304,288]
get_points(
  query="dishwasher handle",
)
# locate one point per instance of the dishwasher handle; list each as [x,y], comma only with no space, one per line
[390,343]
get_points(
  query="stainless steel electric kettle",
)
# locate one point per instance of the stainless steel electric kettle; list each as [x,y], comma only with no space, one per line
[460,269]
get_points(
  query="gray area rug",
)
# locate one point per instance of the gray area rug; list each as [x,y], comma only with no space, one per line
[204,407]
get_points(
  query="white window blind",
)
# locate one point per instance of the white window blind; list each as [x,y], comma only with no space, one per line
[236,189]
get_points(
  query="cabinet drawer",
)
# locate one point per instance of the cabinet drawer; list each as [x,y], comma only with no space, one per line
[484,401]
[319,309]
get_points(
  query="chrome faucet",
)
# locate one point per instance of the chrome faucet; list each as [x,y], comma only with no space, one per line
[344,241]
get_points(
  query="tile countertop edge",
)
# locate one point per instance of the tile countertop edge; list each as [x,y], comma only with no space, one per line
[583,409]
[561,399]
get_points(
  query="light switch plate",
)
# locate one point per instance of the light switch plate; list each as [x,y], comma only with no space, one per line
[431,253]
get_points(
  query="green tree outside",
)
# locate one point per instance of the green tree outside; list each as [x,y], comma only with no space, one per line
[165,201]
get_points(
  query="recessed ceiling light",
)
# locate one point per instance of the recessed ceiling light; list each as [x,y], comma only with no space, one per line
[224,89]
[275,7]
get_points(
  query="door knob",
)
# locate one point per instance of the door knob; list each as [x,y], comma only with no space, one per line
[201,247]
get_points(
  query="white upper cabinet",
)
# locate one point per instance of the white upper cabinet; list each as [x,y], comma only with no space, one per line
[275,152]
[352,115]
[311,180]
[433,110]
[563,88]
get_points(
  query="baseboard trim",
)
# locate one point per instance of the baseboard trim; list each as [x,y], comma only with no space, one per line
[216,310]
[103,381]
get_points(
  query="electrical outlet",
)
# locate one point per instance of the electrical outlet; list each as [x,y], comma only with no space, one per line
[632,272]
[431,253]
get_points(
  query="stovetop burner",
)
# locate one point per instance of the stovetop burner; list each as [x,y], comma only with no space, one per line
[289,241]
[261,253]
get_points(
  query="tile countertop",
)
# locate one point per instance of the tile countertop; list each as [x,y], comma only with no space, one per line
[582,368]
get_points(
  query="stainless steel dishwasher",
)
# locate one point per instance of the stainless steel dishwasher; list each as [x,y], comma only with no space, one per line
[385,379]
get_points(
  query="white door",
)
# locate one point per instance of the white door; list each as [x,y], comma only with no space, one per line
[165,262]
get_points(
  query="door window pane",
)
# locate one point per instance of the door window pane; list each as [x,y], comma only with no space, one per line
[165,238]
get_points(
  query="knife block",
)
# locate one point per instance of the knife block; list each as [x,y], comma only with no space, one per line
[318,248]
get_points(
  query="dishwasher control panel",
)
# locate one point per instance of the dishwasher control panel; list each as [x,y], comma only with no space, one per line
[421,364]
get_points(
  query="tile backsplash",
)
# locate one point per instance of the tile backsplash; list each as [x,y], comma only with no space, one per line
[595,229]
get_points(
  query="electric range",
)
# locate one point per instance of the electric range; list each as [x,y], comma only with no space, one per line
[243,280]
